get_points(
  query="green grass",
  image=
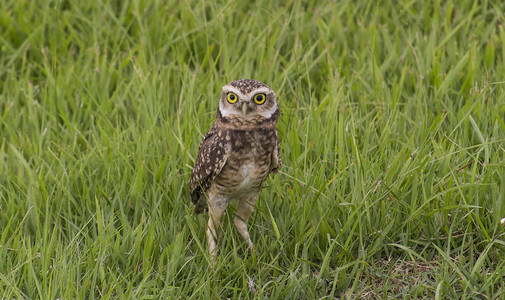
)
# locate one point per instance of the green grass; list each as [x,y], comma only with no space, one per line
[392,138]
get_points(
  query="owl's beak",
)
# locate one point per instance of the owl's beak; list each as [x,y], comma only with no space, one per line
[244,108]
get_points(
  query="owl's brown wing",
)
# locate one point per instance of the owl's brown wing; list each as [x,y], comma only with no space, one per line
[212,156]
[276,156]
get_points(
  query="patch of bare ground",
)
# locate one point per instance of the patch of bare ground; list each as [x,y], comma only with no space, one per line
[392,279]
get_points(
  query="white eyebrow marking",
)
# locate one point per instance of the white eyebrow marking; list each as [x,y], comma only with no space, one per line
[263,90]
[229,88]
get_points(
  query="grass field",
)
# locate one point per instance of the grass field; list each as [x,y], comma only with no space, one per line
[392,139]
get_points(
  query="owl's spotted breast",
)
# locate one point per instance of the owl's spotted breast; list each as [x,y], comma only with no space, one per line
[249,162]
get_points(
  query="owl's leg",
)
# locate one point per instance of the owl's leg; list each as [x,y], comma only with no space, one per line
[244,210]
[217,207]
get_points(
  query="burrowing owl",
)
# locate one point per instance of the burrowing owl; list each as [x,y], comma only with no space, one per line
[236,155]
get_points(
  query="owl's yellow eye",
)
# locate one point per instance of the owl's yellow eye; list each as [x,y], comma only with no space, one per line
[260,98]
[232,98]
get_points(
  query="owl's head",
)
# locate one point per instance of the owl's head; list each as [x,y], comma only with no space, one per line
[247,99]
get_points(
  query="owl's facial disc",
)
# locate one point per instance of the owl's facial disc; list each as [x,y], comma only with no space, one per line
[247,104]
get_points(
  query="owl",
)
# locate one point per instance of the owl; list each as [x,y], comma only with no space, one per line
[236,156]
